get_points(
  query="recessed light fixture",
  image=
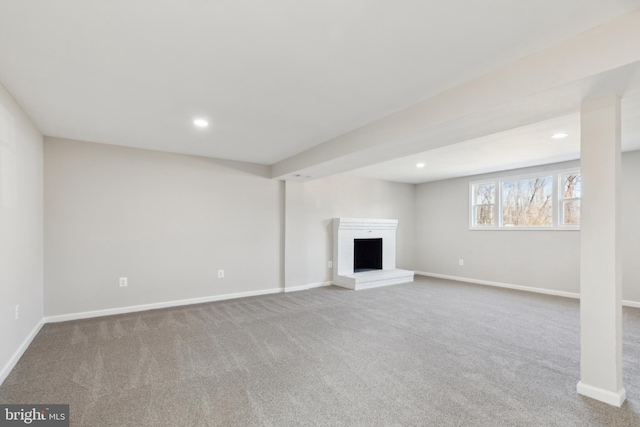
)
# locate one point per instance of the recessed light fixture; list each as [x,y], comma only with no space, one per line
[420,165]
[559,135]
[201,123]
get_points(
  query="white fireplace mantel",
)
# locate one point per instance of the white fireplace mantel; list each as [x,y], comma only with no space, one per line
[345,230]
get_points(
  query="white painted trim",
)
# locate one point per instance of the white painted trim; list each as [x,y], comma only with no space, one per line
[365,224]
[320,284]
[288,289]
[626,303]
[144,307]
[8,367]
[498,182]
[606,396]
[502,285]
[309,286]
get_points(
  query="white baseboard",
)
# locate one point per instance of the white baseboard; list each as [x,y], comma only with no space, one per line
[606,396]
[320,284]
[6,369]
[575,295]
[305,287]
[502,285]
[628,303]
[288,289]
[144,307]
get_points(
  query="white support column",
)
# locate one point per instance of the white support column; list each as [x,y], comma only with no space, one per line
[600,258]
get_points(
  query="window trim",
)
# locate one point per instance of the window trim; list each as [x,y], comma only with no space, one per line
[472,212]
[498,181]
[561,200]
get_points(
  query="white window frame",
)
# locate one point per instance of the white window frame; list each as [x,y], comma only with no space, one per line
[472,216]
[556,210]
[561,200]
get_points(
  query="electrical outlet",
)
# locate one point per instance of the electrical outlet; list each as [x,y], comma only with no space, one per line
[330,264]
[220,274]
[123,282]
[17,311]
[461,262]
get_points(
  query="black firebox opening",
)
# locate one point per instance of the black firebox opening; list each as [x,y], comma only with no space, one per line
[367,254]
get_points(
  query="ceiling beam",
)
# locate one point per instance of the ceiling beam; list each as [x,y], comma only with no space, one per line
[549,83]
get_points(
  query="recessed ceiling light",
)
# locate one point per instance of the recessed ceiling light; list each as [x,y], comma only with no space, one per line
[201,123]
[559,135]
[420,165]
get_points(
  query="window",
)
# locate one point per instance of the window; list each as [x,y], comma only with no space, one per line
[484,201]
[570,198]
[527,202]
[545,201]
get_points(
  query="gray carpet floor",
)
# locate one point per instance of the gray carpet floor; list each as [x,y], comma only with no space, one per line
[431,353]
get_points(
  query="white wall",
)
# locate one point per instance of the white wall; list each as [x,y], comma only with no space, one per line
[540,259]
[168,222]
[295,236]
[354,197]
[631,226]
[21,234]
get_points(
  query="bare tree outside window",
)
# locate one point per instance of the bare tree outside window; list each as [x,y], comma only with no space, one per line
[571,193]
[550,201]
[484,199]
[527,202]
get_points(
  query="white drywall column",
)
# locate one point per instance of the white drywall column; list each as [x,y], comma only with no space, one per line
[600,258]
[295,237]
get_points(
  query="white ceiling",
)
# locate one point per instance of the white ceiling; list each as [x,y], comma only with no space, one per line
[516,148]
[273,78]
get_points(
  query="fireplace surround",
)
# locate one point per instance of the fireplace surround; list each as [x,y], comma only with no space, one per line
[350,233]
